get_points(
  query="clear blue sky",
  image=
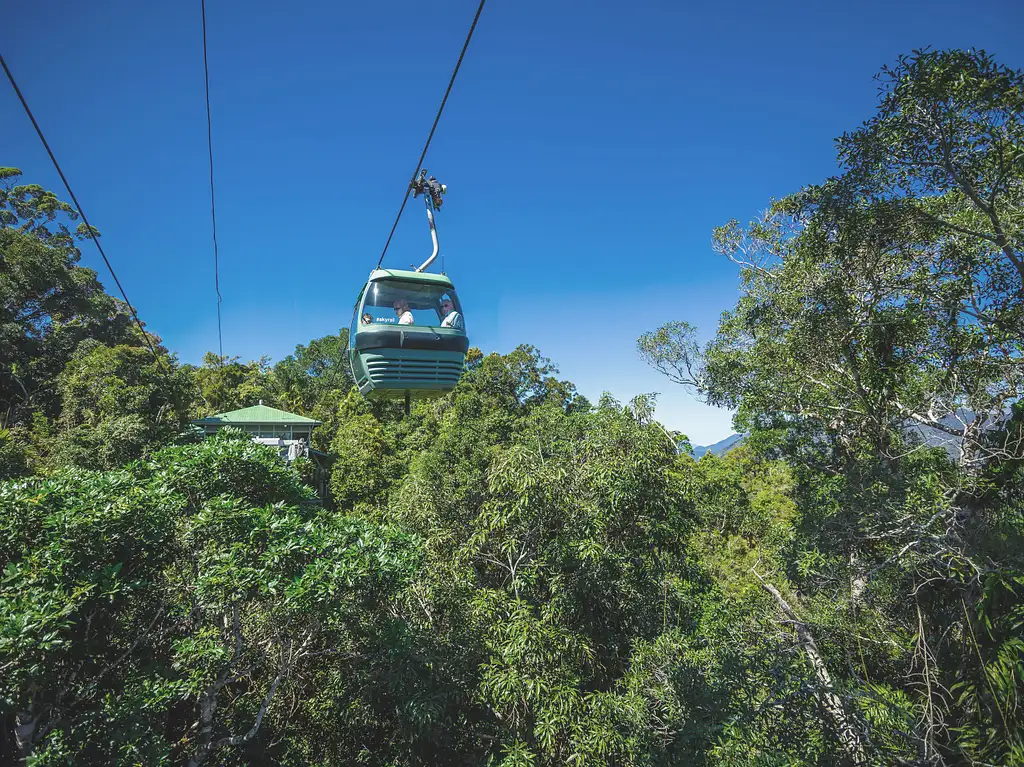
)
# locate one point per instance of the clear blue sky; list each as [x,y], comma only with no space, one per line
[589,149]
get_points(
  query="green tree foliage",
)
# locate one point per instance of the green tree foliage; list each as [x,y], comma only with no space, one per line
[173,611]
[552,571]
[554,555]
[48,303]
[227,384]
[49,307]
[117,403]
[13,455]
[880,316]
[315,377]
[890,295]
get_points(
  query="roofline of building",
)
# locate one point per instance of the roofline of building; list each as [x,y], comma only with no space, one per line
[211,421]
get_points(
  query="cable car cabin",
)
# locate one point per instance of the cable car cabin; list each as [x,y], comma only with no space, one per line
[408,335]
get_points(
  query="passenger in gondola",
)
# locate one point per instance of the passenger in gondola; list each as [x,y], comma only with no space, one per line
[402,310]
[452,319]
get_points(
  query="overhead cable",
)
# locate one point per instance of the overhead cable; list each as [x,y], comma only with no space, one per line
[437,119]
[78,207]
[213,199]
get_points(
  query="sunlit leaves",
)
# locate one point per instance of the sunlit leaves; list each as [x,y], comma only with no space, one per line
[192,577]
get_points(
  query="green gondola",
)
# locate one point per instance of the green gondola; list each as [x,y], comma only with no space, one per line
[408,336]
[423,358]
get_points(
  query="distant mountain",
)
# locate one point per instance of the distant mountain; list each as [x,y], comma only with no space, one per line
[719,448]
[951,443]
[927,435]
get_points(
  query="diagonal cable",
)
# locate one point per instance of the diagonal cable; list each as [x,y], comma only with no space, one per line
[78,207]
[437,119]
[213,199]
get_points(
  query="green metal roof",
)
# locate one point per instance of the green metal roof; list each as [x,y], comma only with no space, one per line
[256,414]
[406,274]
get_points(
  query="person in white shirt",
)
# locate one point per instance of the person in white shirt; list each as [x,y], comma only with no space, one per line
[452,319]
[402,310]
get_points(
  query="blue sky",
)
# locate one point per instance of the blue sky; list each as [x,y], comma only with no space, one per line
[589,149]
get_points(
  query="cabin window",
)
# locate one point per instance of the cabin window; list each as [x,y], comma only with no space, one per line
[424,302]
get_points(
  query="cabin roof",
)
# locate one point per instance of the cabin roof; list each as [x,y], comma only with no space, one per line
[255,414]
[406,274]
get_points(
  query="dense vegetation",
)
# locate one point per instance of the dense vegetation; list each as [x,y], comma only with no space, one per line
[514,575]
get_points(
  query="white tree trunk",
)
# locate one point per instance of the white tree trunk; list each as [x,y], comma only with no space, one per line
[849,737]
[25,724]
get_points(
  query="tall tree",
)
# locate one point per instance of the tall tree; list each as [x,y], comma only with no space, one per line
[173,612]
[117,403]
[881,314]
[316,376]
[48,303]
[227,384]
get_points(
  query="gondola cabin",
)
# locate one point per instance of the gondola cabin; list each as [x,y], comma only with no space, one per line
[408,336]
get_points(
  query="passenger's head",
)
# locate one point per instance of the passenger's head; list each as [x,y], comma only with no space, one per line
[446,305]
[401,306]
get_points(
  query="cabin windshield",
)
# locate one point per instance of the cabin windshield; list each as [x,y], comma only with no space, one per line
[388,301]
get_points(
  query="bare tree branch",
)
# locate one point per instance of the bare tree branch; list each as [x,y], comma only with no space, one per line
[849,736]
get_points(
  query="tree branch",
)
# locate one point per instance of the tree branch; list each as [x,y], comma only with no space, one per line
[236,740]
[849,738]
